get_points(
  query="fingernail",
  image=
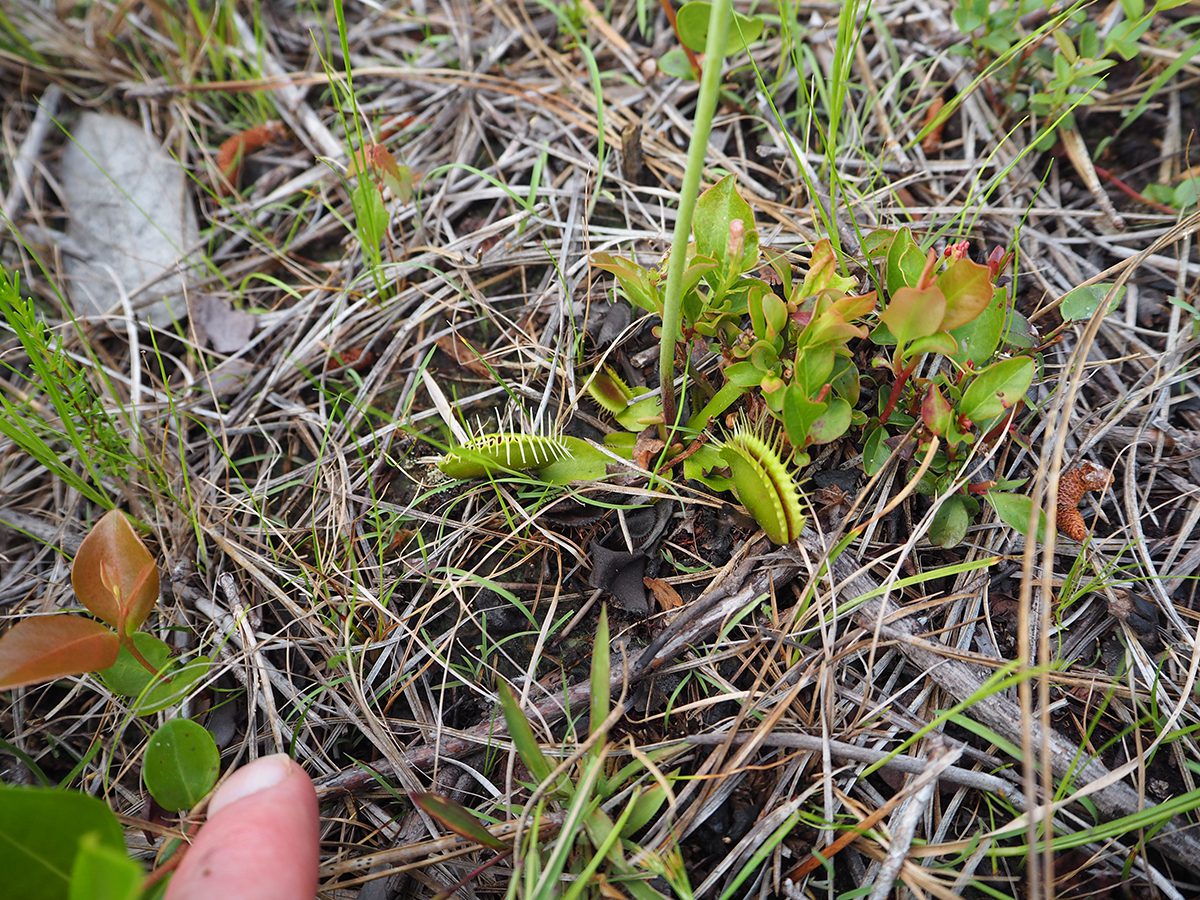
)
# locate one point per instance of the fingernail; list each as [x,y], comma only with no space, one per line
[259,775]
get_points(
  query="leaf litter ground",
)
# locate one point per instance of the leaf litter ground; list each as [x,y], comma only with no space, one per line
[363,607]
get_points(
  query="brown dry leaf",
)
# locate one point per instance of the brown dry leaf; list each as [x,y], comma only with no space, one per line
[647,447]
[665,595]
[454,347]
[933,141]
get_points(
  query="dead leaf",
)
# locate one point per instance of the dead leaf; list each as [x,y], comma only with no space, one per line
[219,325]
[130,217]
[666,596]
[453,346]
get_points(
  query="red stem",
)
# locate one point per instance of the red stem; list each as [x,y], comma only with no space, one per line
[670,11]
[897,389]
[1132,193]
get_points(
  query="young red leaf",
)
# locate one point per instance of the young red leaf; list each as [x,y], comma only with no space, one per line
[914,313]
[457,818]
[968,289]
[936,412]
[114,574]
[50,647]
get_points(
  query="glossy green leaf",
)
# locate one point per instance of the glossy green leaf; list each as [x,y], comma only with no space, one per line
[905,262]
[1083,301]
[939,342]
[997,388]
[181,764]
[127,677]
[813,369]
[799,412]
[823,274]
[979,338]
[675,64]
[950,523]
[776,314]
[913,313]
[967,287]
[44,648]
[716,209]
[936,412]
[832,423]
[1015,511]
[104,873]
[637,282]
[691,21]
[41,830]
[457,818]
[876,452]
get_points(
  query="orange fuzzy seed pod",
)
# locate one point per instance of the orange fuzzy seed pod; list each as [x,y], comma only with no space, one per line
[1073,484]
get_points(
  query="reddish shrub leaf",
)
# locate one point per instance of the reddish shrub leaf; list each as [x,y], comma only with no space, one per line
[457,818]
[114,574]
[50,647]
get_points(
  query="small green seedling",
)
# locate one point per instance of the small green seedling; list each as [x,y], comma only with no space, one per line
[115,577]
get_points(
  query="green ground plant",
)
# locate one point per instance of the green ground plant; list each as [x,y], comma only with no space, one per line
[62,842]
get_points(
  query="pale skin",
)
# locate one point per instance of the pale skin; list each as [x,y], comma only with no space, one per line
[260,841]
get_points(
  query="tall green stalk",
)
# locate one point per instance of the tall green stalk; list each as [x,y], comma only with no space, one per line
[710,83]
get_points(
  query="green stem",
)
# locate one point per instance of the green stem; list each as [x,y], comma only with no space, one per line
[706,103]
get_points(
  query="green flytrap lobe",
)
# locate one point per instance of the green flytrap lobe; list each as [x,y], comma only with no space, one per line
[489,454]
[553,459]
[763,482]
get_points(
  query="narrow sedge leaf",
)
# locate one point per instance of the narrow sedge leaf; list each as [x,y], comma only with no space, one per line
[522,736]
[457,818]
[114,574]
[601,672]
[50,647]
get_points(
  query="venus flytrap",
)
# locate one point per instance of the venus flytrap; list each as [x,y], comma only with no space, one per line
[791,351]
